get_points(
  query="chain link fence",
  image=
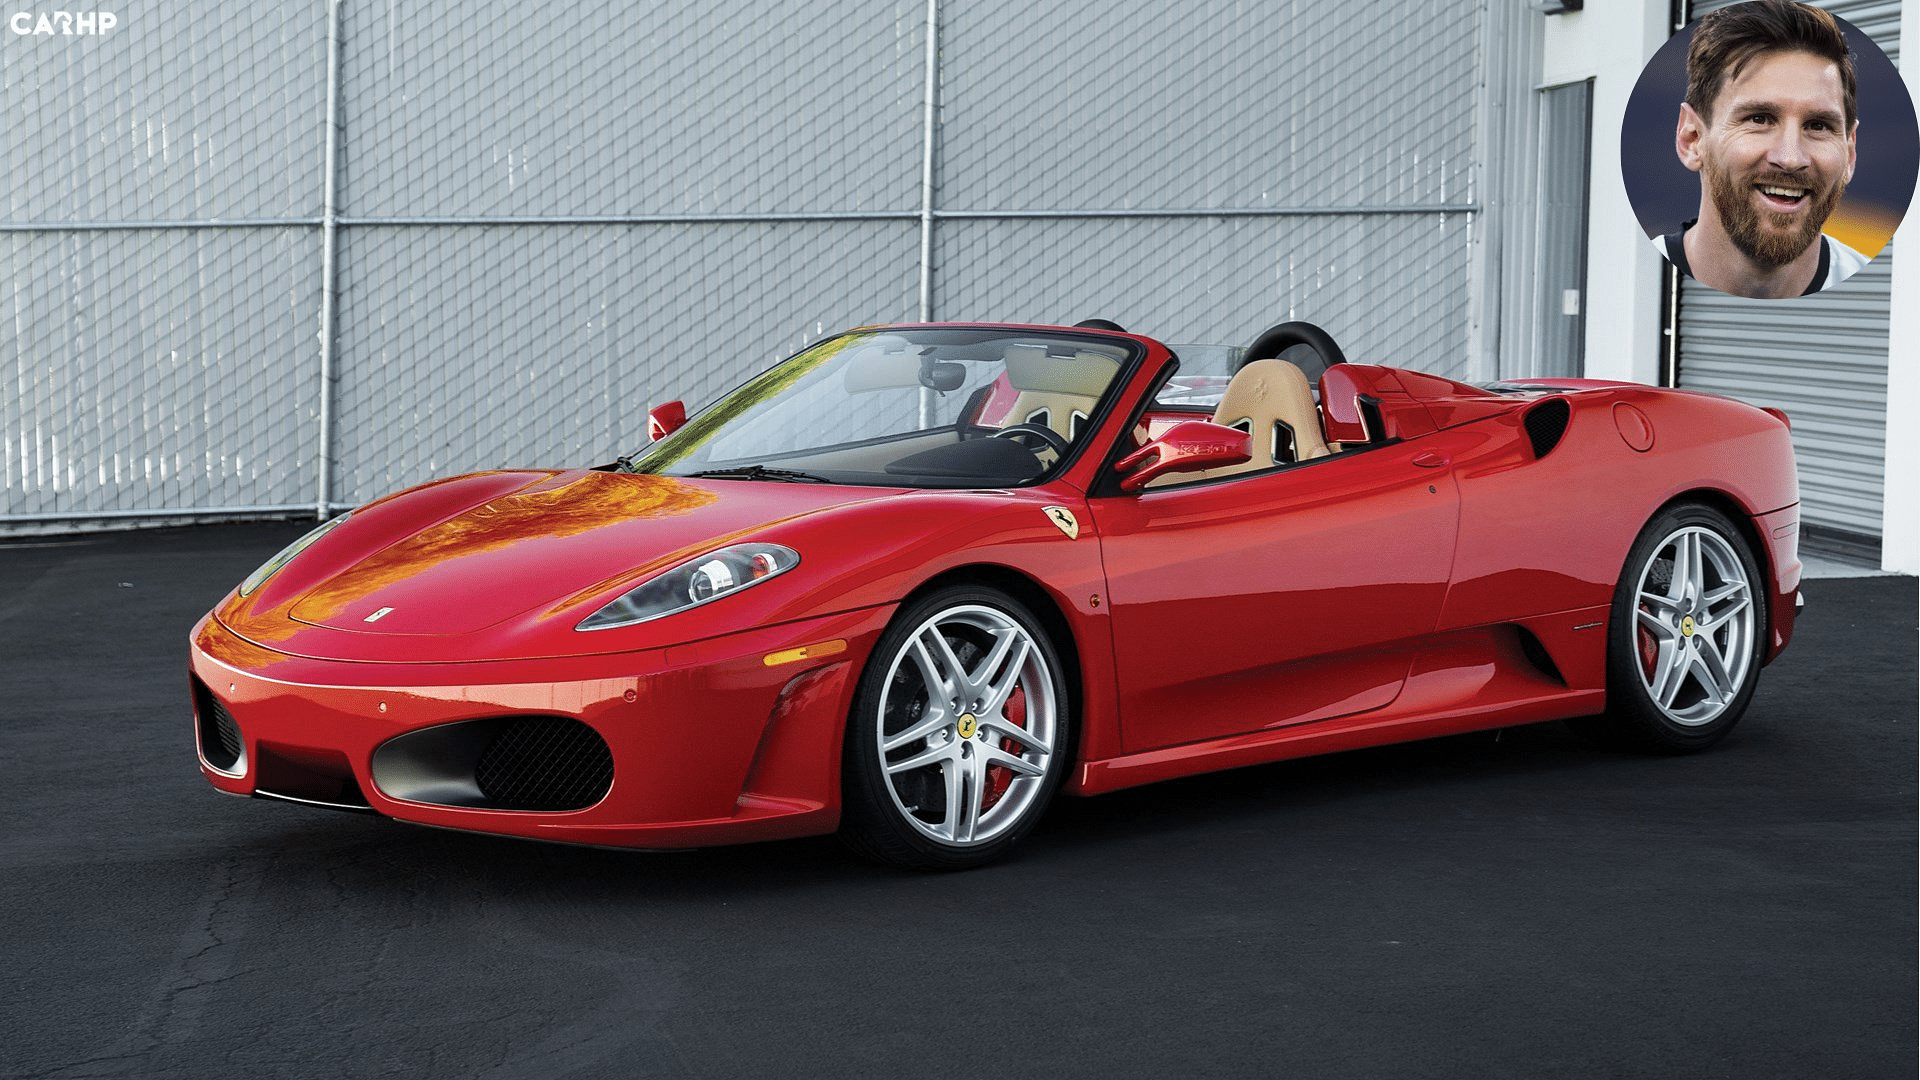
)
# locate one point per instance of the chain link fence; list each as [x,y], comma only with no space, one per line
[543,223]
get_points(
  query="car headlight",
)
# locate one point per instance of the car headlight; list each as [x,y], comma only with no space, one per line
[695,582]
[272,566]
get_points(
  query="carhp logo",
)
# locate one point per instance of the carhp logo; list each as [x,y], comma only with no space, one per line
[62,23]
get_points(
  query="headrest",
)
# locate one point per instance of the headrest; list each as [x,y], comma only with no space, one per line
[1274,381]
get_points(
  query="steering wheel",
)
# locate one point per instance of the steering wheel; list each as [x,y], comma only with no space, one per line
[1042,432]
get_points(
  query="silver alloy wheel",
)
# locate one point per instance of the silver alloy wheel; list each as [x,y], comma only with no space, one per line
[1694,625]
[966,725]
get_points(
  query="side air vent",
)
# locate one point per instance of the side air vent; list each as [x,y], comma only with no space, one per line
[1546,423]
[1537,655]
[1370,414]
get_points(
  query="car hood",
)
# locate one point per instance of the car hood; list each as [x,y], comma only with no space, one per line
[434,561]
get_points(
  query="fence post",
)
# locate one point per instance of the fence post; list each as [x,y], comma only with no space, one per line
[329,221]
[930,137]
[931,125]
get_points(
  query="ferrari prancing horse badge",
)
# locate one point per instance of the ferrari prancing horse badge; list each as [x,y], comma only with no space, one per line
[1064,518]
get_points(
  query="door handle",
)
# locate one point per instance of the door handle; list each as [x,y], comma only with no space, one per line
[1431,459]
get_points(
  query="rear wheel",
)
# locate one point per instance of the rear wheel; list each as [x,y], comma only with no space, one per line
[1687,631]
[959,734]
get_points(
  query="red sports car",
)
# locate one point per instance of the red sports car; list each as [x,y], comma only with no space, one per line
[911,582]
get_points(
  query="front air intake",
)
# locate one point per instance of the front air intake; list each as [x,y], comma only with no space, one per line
[544,763]
[1546,423]
[220,743]
[538,763]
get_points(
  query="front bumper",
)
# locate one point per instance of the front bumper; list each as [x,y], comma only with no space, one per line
[719,741]
[1780,533]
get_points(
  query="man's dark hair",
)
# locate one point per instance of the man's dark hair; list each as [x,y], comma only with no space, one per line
[1729,39]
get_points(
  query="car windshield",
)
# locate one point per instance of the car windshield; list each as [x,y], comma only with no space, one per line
[1205,371]
[917,407]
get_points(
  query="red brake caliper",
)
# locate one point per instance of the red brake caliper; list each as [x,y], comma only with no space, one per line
[999,777]
[1649,650]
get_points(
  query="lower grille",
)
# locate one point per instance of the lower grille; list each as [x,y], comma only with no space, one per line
[308,775]
[544,763]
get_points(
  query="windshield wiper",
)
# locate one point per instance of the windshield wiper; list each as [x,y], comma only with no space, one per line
[761,472]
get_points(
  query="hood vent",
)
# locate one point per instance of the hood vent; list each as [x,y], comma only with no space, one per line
[1546,423]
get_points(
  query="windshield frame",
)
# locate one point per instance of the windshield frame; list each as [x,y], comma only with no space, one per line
[661,457]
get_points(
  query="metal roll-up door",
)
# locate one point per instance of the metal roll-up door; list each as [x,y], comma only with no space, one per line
[1878,19]
[1822,358]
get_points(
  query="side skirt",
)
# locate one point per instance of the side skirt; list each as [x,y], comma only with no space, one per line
[1476,680]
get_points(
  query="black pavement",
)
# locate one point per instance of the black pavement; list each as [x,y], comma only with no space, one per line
[1499,905]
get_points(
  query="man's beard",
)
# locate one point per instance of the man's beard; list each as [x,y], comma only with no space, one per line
[1775,247]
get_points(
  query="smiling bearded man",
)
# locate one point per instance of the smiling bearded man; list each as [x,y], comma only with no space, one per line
[1769,123]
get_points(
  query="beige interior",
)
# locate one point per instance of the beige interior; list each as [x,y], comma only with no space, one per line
[1054,391]
[1055,411]
[1271,399]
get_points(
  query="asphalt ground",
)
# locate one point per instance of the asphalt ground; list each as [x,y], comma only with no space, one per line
[1512,904]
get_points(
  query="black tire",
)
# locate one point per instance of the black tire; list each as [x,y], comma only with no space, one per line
[955,676]
[1686,635]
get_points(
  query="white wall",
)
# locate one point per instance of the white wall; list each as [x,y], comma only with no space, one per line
[1900,528]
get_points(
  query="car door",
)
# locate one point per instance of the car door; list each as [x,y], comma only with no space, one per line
[1274,598]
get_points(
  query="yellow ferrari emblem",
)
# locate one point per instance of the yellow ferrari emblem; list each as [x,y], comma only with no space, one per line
[1687,626]
[968,725]
[1064,518]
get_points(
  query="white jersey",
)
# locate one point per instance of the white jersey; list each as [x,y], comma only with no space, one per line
[1838,262]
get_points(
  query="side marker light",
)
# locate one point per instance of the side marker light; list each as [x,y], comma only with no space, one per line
[805,652]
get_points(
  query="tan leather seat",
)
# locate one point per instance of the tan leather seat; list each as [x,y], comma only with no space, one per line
[1064,413]
[1271,400]
[1053,391]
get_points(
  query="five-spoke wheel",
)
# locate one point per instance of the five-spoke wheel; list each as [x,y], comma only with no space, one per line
[1689,622]
[1694,619]
[958,736]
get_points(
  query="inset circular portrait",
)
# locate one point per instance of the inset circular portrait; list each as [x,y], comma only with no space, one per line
[1769,149]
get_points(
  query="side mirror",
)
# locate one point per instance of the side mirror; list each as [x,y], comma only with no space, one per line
[1189,446]
[664,420]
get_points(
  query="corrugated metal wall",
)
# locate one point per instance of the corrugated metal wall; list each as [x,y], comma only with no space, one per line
[1878,19]
[1827,368]
[548,220]
[1822,358]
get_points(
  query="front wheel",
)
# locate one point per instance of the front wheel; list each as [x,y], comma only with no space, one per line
[1688,629]
[959,734]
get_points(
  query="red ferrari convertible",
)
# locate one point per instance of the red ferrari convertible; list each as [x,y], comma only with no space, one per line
[913,581]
